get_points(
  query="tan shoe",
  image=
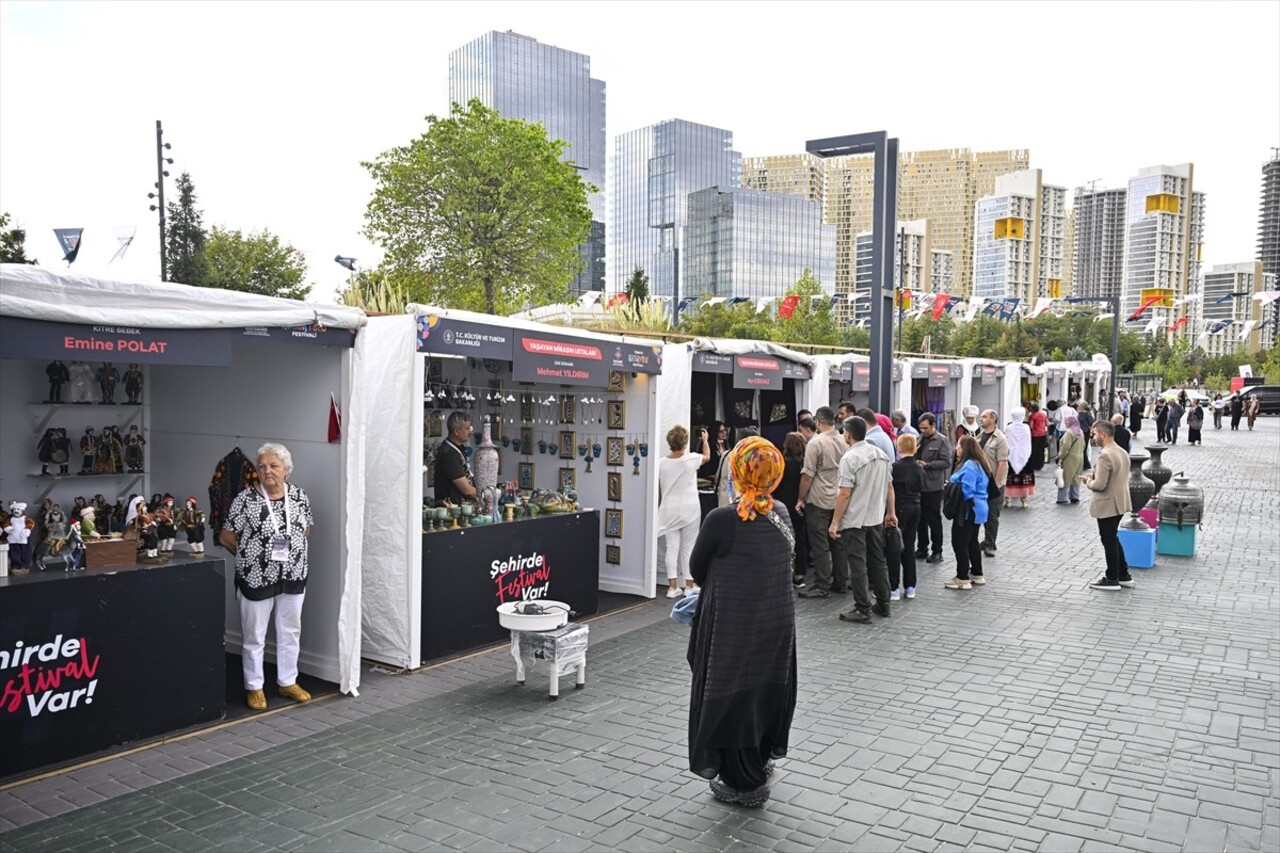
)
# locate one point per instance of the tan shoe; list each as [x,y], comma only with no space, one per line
[296,693]
[958,583]
[257,700]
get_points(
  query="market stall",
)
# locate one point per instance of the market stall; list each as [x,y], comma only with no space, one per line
[202,372]
[935,387]
[570,414]
[983,385]
[849,378]
[744,384]
[1032,384]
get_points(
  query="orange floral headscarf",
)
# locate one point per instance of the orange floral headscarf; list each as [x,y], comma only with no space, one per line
[757,468]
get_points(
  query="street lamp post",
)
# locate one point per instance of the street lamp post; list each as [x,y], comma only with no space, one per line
[158,195]
[1113,302]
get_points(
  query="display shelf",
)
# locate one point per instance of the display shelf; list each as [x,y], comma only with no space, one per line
[52,479]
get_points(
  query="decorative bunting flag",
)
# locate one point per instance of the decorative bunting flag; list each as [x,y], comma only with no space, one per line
[124,233]
[738,300]
[835,298]
[1146,303]
[1042,305]
[715,300]
[1178,324]
[1264,324]
[619,298]
[975,303]
[788,306]
[348,263]
[763,303]
[1009,308]
[1153,324]
[335,420]
[591,297]
[1246,330]
[940,304]
[684,303]
[1216,327]
[1103,317]
[69,239]
[1267,297]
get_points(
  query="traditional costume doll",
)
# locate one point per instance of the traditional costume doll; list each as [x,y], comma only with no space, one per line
[88,524]
[62,451]
[55,535]
[88,450]
[193,522]
[110,452]
[119,513]
[108,376]
[133,385]
[75,548]
[78,507]
[101,507]
[58,376]
[81,382]
[44,450]
[166,524]
[133,444]
[142,529]
[18,531]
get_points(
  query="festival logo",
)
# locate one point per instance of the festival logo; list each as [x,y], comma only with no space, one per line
[521,578]
[50,678]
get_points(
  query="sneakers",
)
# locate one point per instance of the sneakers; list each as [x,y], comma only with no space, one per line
[911,593]
[296,693]
[813,592]
[751,799]
[256,700]
[674,592]
[895,595]
[690,590]
[1128,582]
[855,615]
[1104,584]
[958,583]
[978,580]
[936,557]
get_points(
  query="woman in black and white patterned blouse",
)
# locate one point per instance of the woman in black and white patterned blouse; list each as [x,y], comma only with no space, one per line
[267,529]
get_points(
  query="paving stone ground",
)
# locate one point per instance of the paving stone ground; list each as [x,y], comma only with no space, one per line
[1032,714]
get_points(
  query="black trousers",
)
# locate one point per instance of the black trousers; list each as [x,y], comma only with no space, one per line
[1117,566]
[964,542]
[930,524]
[992,528]
[902,571]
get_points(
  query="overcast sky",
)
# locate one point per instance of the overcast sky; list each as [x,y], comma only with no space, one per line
[272,106]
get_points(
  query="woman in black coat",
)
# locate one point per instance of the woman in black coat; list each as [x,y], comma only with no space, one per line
[788,494]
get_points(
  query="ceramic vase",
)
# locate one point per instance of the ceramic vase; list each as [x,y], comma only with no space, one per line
[485,462]
[1141,487]
[1155,469]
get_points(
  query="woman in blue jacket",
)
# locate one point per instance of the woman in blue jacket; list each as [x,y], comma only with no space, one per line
[973,474]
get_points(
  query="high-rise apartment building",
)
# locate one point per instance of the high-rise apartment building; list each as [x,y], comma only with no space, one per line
[524,79]
[1269,216]
[741,242]
[1231,316]
[1164,222]
[655,169]
[915,266]
[1019,241]
[1097,261]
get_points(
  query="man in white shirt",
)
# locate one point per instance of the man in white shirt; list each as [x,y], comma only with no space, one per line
[876,436]
[864,505]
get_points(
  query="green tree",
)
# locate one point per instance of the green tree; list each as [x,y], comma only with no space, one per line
[638,286]
[1271,366]
[383,291]
[13,243]
[185,237]
[812,321]
[1177,369]
[258,263]
[485,205]
[856,337]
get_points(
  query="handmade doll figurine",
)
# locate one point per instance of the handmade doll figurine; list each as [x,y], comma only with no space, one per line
[193,522]
[142,529]
[110,452]
[58,375]
[62,451]
[133,444]
[81,382]
[78,507]
[88,450]
[75,548]
[18,532]
[133,385]
[44,450]
[166,524]
[55,535]
[108,376]
[88,524]
[119,513]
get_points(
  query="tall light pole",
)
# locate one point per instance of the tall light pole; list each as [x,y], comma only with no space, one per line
[161,174]
[1113,302]
[884,219]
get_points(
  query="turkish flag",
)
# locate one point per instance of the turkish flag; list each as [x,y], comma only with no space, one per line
[335,421]
[1146,303]
[940,305]
[788,306]
[1179,324]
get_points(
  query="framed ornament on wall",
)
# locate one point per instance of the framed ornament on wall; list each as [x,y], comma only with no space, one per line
[616,414]
[526,408]
[525,476]
[566,444]
[613,523]
[526,440]
[613,555]
[614,447]
[617,382]
[568,479]
[615,486]
[568,409]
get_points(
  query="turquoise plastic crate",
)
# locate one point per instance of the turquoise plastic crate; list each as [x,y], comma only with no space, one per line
[1175,542]
[1139,547]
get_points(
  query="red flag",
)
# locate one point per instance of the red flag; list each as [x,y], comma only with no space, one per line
[1180,322]
[335,420]
[788,306]
[940,304]
[1146,303]
[619,298]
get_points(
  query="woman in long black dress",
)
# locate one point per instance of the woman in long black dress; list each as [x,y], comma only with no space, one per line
[788,494]
[742,648]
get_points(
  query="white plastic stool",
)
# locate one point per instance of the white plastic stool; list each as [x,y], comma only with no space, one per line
[563,650]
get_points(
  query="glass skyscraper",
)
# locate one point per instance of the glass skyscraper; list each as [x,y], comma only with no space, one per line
[524,79]
[654,170]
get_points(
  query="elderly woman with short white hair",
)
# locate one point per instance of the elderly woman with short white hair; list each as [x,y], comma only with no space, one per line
[267,529]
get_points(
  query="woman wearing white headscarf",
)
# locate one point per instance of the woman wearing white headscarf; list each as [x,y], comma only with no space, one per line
[1022,477]
[969,424]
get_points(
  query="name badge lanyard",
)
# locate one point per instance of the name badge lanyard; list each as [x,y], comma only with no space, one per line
[279,542]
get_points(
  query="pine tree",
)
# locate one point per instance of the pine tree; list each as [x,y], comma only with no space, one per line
[13,243]
[638,286]
[185,237]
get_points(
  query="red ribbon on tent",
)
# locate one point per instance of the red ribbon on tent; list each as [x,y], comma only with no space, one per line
[335,421]
[619,298]
[940,304]
[1146,303]
[788,306]
[1180,322]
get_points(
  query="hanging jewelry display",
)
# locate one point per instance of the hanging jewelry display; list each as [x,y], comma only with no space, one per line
[582,454]
[634,452]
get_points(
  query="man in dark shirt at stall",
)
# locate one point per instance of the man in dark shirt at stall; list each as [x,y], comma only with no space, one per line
[453,473]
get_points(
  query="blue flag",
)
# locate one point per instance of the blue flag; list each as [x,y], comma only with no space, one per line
[348,263]
[69,238]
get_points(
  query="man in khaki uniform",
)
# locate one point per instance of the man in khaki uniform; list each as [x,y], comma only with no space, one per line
[1109,483]
[817,504]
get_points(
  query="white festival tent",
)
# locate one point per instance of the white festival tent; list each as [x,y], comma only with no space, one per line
[272,391]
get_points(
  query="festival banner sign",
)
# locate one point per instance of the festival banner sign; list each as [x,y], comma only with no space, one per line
[446,336]
[38,339]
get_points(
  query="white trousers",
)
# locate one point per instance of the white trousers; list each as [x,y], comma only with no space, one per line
[255,616]
[679,546]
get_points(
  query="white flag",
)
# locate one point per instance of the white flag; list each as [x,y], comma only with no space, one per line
[124,234]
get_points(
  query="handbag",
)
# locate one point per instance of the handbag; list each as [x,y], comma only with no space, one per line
[683,611]
[952,499]
[785,529]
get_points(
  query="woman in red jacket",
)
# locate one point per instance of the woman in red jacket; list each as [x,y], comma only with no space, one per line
[1039,423]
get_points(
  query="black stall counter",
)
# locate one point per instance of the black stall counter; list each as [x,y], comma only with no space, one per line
[95,659]
[467,573]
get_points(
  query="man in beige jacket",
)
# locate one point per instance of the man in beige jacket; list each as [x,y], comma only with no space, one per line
[1109,482]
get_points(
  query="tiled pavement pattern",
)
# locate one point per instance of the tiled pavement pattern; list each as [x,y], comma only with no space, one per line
[1033,714]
